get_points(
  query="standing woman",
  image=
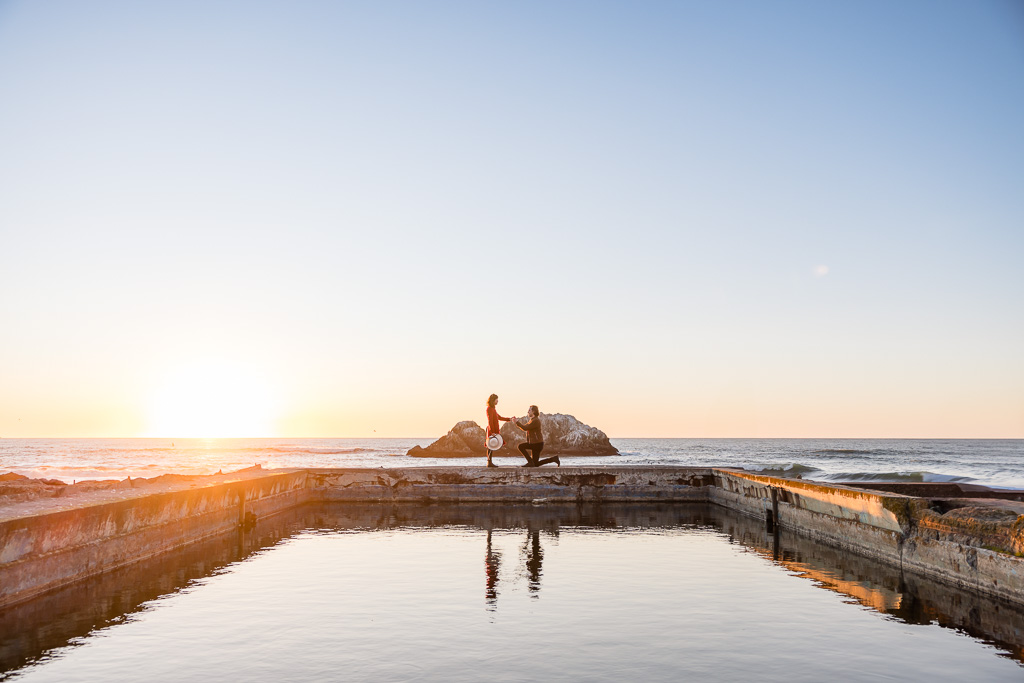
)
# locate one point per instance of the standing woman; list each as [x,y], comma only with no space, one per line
[534,440]
[492,423]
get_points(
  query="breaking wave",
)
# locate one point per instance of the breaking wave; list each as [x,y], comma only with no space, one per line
[793,470]
[798,471]
[915,477]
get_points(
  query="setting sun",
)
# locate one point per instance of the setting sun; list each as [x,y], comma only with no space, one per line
[212,400]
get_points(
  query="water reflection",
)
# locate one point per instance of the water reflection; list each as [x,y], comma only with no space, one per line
[31,632]
[532,554]
[492,565]
[534,557]
[883,588]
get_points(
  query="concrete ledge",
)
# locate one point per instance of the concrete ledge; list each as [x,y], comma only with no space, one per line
[873,508]
[901,530]
[842,532]
[482,484]
[48,543]
[46,550]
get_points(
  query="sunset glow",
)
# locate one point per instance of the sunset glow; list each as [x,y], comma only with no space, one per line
[211,400]
[669,219]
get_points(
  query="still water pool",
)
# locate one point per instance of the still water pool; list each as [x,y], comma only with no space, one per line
[467,593]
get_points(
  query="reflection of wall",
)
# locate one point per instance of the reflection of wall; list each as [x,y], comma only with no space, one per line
[30,629]
[881,586]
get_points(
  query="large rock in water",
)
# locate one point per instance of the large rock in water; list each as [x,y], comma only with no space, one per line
[563,435]
[464,440]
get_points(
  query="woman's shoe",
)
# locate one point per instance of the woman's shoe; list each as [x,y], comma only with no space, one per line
[557,461]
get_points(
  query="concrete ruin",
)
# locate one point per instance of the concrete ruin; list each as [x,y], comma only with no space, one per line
[969,538]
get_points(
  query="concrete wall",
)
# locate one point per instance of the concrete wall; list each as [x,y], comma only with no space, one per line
[850,518]
[45,551]
[897,529]
[47,545]
[964,561]
[481,484]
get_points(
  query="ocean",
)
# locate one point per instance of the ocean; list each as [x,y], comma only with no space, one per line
[990,462]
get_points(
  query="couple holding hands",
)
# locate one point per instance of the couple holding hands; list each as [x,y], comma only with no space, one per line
[534,437]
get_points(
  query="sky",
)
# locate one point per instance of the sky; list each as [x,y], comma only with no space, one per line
[669,219]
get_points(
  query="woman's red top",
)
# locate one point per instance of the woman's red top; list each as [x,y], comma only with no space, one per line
[492,420]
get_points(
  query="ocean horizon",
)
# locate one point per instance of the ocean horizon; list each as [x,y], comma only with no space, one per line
[989,462]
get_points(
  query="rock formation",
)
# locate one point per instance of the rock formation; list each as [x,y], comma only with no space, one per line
[17,488]
[563,435]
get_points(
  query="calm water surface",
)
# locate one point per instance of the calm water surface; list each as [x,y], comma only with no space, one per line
[470,593]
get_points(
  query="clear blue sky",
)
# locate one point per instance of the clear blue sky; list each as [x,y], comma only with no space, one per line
[670,219]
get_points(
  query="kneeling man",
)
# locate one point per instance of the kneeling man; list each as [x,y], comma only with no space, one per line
[534,440]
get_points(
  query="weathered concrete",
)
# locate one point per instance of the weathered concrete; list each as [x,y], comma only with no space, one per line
[512,484]
[968,552]
[850,518]
[58,543]
[50,542]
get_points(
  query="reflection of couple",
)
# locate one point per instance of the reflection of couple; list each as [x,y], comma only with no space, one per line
[533,556]
[534,434]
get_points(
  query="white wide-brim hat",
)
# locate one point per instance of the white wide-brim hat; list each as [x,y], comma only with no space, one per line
[495,442]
